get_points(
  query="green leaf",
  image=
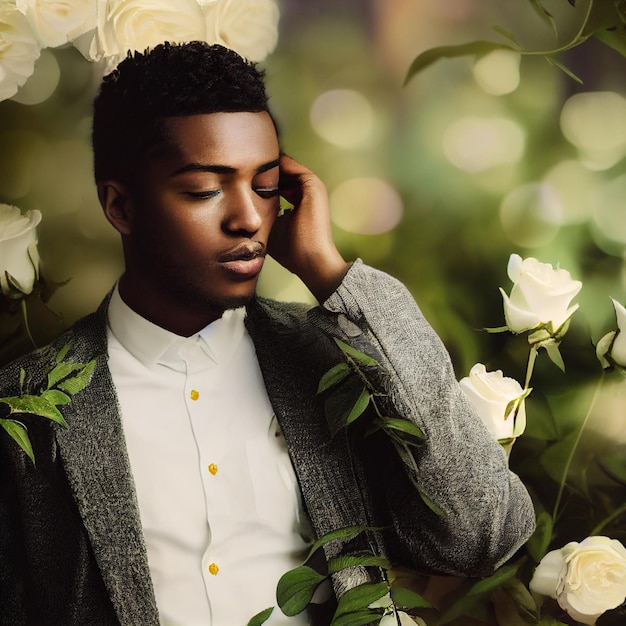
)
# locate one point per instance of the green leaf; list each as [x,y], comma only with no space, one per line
[523,600]
[554,354]
[499,329]
[615,39]
[555,458]
[407,458]
[74,384]
[497,579]
[22,378]
[614,466]
[408,599]
[354,354]
[63,352]
[359,407]
[539,541]
[428,57]
[18,432]
[333,376]
[369,560]
[296,588]
[261,618]
[544,14]
[345,534]
[356,618]
[56,397]
[562,67]
[404,426]
[507,34]
[61,371]
[345,404]
[360,597]
[35,405]
[478,593]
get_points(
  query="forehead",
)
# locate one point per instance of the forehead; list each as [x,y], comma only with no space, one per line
[232,139]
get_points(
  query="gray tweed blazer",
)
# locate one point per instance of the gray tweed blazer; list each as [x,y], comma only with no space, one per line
[71,545]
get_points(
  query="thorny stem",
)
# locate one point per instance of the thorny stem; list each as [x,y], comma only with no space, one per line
[596,395]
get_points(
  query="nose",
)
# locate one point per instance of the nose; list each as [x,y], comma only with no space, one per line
[243,216]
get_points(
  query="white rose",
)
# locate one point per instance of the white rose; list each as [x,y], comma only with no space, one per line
[19,49]
[614,343]
[56,22]
[249,27]
[586,578]
[541,295]
[18,250]
[498,400]
[134,25]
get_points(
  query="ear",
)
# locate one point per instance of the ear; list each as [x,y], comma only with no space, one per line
[117,205]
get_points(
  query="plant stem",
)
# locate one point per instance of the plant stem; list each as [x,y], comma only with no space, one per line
[532,357]
[26,325]
[576,40]
[596,395]
[605,522]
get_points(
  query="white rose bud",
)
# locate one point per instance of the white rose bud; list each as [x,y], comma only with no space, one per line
[19,260]
[135,25]
[249,27]
[613,344]
[56,22]
[19,49]
[586,578]
[541,296]
[498,400]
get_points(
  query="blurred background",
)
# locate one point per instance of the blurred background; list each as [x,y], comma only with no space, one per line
[436,182]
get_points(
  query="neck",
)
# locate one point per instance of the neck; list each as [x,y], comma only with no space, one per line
[164,310]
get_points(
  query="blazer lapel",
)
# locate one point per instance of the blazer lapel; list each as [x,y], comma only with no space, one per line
[97,467]
[293,355]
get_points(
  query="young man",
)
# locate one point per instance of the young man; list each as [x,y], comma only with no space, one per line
[199,462]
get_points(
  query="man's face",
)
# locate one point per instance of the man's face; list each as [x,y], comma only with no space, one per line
[203,209]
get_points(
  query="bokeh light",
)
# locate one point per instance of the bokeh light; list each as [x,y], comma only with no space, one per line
[609,214]
[530,214]
[343,117]
[497,73]
[595,122]
[42,84]
[477,144]
[366,206]
[574,184]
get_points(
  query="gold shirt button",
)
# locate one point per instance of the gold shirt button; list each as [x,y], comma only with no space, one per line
[213,469]
[213,569]
[194,395]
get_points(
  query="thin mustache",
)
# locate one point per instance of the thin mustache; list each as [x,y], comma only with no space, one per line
[244,252]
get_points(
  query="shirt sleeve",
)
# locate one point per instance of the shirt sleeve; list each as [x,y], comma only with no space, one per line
[486,512]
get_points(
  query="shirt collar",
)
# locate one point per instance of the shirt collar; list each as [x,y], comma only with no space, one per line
[149,343]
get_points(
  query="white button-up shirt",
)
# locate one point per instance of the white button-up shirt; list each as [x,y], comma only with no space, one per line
[218,498]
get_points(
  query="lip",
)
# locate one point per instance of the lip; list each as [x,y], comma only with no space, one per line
[243,262]
[244,269]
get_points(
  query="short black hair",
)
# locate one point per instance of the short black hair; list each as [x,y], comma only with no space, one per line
[168,81]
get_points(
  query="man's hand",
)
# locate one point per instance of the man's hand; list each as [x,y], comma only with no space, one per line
[301,239]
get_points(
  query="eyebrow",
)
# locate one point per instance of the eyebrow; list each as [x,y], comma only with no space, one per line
[222,169]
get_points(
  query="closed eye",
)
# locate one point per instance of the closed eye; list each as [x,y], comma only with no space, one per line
[267,192]
[203,195]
